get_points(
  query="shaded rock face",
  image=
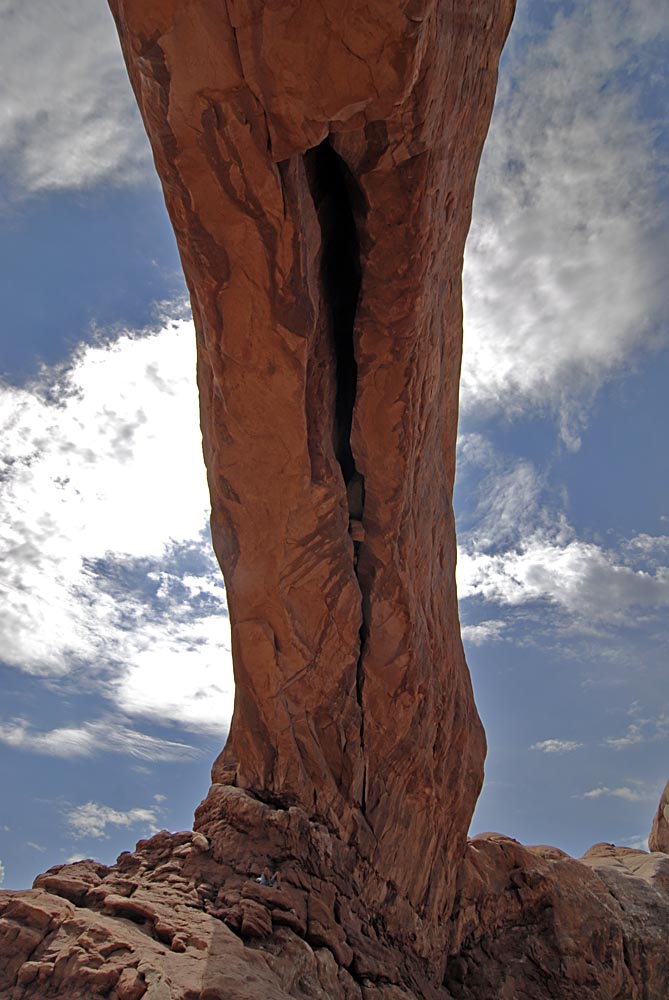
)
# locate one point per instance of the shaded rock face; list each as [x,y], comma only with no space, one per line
[318,162]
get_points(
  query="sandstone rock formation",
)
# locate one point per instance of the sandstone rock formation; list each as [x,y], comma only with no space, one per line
[318,161]
[179,919]
[659,834]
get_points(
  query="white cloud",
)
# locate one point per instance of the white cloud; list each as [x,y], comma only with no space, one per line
[556,746]
[633,736]
[488,631]
[106,570]
[647,729]
[67,116]
[93,818]
[564,271]
[652,550]
[637,843]
[36,847]
[638,793]
[508,506]
[509,500]
[73,858]
[580,578]
[518,551]
[182,672]
[91,738]
[2,873]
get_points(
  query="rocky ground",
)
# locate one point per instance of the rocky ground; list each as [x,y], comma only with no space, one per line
[261,903]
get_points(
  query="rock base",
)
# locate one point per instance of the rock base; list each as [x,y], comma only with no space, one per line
[260,902]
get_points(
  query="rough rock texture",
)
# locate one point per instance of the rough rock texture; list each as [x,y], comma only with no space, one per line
[179,919]
[659,834]
[318,161]
[531,923]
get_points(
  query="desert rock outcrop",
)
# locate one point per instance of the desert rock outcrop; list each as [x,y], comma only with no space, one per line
[318,161]
[274,909]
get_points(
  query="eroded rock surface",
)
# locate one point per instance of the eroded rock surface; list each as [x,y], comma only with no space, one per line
[532,923]
[318,162]
[274,907]
[659,834]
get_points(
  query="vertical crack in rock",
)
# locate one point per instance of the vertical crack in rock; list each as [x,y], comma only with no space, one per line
[274,229]
[338,200]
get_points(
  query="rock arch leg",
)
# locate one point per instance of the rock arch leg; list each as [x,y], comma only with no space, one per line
[318,162]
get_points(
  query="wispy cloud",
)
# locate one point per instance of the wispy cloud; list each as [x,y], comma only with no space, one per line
[67,118]
[517,548]
[633,792]
[93,819]
[633,736]
[107,572]
[556,746]
[2,873]
[72,858]
[508,497]
[580,578]
[652,549]
[645,728]
[91,739]
[639,842]
[564,271]
[487,631]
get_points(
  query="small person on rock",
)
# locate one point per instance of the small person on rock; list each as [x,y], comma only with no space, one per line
[271,882]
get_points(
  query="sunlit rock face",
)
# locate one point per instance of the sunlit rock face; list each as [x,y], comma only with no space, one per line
[184,917]
[318,162]
[659,834]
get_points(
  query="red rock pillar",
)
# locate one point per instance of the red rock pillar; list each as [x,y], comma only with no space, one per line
[318,162]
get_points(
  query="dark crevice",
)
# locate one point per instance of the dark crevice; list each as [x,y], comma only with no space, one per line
[338,201]
[333,189]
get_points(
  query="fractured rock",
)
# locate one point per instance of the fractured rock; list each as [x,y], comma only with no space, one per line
[318,162]
[529,922]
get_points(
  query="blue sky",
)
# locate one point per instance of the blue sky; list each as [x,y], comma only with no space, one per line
[114,646]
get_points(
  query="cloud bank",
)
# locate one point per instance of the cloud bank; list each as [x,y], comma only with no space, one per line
[565,268]
[90,739]
[67,116]
[517,548]
[107,574]
[93,818]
